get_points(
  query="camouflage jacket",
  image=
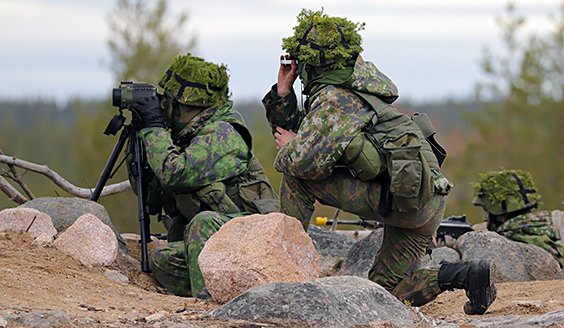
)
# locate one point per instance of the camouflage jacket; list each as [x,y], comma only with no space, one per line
[535,228]
[332,117]
[212,151]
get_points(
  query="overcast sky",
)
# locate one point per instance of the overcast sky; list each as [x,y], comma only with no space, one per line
[56,49]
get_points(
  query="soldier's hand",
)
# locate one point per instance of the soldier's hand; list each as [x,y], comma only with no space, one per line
[283,137]
[150,111]
[286,76]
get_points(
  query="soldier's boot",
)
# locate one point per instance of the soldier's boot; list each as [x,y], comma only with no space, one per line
[476,277]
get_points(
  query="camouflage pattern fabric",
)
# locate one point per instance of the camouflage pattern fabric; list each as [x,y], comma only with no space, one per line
[535,228]
[406,235]
[210,150]
[175,265]
[335,116]
[323,135]
[216,152]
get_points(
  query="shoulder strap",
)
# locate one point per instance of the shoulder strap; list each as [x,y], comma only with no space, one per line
[244,132]
[376,103]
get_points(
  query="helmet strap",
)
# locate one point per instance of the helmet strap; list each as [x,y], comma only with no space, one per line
[184,83]
[522,189]
[304,41]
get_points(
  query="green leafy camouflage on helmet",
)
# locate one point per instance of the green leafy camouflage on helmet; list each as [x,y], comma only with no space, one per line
[505,191]
[321,40]
[196,82]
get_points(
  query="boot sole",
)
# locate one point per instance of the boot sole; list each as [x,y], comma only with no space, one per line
[482,298]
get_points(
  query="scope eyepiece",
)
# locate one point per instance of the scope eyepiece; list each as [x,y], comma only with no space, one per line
[116,97]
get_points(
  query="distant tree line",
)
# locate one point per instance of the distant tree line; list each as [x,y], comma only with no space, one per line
[514,122]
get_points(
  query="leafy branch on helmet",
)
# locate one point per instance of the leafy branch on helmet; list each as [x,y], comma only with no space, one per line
[211,79]
[500,186]
[325,33]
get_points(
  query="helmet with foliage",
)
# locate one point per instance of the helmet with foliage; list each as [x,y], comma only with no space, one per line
[505,191]
[321,40]
[194,82]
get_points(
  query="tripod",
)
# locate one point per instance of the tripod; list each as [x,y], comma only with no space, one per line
[138,169]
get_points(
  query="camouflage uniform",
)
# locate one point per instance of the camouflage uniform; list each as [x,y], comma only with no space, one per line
[332,117]
[535,228]
[511,202]
[214,152]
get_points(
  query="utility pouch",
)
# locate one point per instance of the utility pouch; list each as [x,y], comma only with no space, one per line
[364,158]
[258,197]
[215,197]
[410,175]
[187,204]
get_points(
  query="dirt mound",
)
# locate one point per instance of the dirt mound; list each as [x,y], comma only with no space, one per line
[42,278]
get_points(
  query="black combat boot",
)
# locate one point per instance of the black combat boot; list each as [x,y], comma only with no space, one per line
[476,277]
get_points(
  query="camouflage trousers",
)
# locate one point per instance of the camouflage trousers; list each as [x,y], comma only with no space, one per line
[175,264]
[406,235]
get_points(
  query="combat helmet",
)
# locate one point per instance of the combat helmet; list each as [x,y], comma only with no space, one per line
[505,191]
[193,81]
[320,40]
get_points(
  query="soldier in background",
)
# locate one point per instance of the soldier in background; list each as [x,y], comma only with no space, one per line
[350,148]
[511,202]
[204,173]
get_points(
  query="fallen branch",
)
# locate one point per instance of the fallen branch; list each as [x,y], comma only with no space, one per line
[13,174]
[59,181]
[11,192]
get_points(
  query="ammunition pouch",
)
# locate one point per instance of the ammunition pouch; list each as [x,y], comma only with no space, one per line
[258,197]
[215,197]
[250,192]
[409,184]
[411,181]
[364,157]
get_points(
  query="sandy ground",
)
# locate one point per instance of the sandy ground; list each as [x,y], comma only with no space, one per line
[42,278]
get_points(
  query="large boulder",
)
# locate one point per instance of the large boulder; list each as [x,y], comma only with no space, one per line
[256,250]
[28,220]
[361,255]
[332,247]
[326,302]
[64,211]
[90,241]
[516,261]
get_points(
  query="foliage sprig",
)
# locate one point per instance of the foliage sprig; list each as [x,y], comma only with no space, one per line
[325,33]
[500,186]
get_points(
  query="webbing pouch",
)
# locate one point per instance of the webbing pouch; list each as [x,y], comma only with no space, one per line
[216,198]
[188,205]
[363,158]
[410,175]
[258,197]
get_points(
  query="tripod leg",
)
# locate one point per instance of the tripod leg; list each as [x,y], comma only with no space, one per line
[109,165]
[144,223]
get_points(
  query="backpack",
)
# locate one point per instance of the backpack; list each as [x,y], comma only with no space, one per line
[407,156]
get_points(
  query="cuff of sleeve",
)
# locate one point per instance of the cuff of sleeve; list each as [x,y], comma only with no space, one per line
[149,130]
[272,98]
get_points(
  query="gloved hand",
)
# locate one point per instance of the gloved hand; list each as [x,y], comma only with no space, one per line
[150,111]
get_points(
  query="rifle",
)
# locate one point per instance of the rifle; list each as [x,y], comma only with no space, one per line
[361,222]
[454,226]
